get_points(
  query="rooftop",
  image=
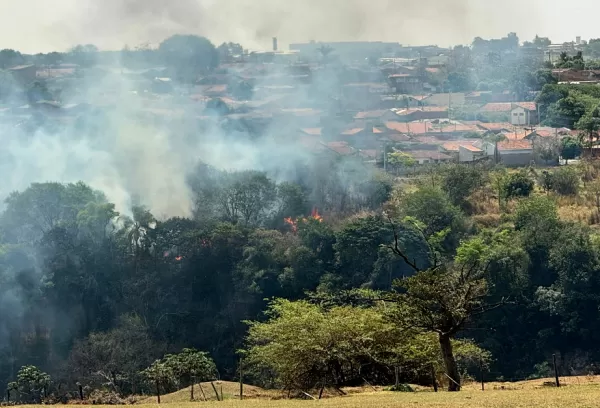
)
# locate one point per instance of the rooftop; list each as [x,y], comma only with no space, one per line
[508,145]
[341,148]
[371,114]
[416,128]
[508,106]
[454,146]
[312,131]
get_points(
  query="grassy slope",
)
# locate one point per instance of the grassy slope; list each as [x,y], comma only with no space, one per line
[575,392]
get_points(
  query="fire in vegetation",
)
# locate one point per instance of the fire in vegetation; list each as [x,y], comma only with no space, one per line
[293,223]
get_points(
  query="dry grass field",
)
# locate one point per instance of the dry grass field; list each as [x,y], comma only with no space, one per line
[574,392]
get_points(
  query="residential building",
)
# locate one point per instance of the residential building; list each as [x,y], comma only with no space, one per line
[406,83]
[422,113]
[463,151]
[521,113]
[515,152]
[428,156]
[24,74]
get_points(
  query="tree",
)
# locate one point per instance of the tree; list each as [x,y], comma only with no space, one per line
[84,55]
[338,345]
[114,358]
[31,383]
[159,373]
[189,56]
[434,209]
[565,113]
[541,42]
[565,181]
[247,197]
[191,366]
[399,160]
[570,148]
[517,185]
[10,58]
[459,181]
[442,300]
[459,82]
[589,125]
[547,149]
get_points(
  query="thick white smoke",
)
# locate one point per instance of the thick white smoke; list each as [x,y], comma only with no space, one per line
[43,25]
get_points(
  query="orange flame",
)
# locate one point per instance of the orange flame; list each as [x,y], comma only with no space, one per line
[179,258]
[293,224]
[315,215]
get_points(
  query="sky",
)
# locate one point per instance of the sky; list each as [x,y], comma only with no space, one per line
[46,25]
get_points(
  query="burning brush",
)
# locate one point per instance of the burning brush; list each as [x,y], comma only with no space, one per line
[314,215]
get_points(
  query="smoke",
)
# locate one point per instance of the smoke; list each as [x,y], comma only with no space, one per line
[34,26]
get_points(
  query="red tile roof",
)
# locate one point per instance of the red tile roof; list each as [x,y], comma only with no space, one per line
[454,145]
[530,106]
[508,106]
[341,148]
[497,107]
[471,148]
[518,135]
[371,114]
[312,131]
[495,126]
[397,137]
[508,145]
[416,128]
[432,140]
[350,132]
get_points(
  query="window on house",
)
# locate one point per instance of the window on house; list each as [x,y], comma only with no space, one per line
[521,114]
[515,114]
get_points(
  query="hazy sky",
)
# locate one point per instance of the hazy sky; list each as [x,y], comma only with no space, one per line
[45,25]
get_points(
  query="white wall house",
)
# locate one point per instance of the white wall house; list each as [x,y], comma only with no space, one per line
[522,116]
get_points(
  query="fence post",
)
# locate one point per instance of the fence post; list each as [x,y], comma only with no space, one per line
[555,370]
[481,371]
[241,381]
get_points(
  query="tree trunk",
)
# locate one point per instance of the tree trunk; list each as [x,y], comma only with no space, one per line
[450,362]
[157,391]
[192,390]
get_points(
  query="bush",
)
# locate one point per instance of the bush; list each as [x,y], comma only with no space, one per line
[565,181]
[401,388]
[518,185]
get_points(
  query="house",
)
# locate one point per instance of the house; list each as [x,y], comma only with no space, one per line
[496,127]
[340,148]
[24,74]
[445,99]
[428,156]
[423,113]
[463,151]
[406,83]
[521,113]
[468,153]
[515,152]
[410,128]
